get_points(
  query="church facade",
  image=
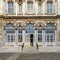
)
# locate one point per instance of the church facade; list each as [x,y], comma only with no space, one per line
[29,22]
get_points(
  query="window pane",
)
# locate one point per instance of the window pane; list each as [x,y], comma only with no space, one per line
[29,6]
[51,38]
[19,38]
[20,8]
[39,8]
[8,38]
[11,38]
[47,38]
[39,38]
[30,28]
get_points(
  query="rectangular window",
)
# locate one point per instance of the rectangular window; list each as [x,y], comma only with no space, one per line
[10,7]
[20,38]
[49,7]
[30,7]
[8,38]
[39,8]
[40,38]
[20,8]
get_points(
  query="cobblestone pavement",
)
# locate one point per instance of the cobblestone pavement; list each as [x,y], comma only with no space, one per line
[40,56]
[30,53]
[32,56]
[4,56]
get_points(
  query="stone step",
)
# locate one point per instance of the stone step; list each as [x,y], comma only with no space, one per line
[29,49]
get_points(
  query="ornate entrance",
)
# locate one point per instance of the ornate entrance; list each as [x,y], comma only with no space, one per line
[29,39]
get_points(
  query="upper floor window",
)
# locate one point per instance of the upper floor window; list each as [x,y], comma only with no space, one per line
[39,8]
[30,7]
[10,7]
[49,7]
[20,8]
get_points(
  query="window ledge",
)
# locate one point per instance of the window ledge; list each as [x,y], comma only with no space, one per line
[19,13]
[49,13]
[39,13]
[10,13]
[30,13]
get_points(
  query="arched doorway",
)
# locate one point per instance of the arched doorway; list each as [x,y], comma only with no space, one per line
[30,29]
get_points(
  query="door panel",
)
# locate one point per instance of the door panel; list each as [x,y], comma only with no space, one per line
[31,39]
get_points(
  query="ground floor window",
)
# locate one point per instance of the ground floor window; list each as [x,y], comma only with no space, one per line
[39,38]
[20,38]
[49,37]
[40,33]
[9,32]
[50,32]
[19,33]
[10,38]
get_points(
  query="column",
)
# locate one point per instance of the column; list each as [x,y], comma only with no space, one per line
[23,8]
[55,40]
[43,38]
[23,35]
[16,8]
[43,7]
[16,37]
[36,8]
[36,36]
[4,38]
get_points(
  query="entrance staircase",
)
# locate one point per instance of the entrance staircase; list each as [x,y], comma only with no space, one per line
[31,49]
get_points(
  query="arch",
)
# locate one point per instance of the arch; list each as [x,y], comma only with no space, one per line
[50,26]
[30,28]
[9,26]
[40,28]
[19,29]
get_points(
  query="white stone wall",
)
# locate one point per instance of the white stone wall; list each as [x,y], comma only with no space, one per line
[58,7]
[1,7]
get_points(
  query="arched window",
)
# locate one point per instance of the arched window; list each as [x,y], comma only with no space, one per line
[20,5]
[29,28]
[50,32]
[19,33]
[10,32]
[49,7]
[29,7]
[10,7]
[39,33]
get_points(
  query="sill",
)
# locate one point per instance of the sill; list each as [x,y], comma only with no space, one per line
[30,13]
[19,13]
[39,13]
[10,13]
[49,13]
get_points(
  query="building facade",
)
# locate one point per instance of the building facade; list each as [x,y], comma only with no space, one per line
[30,22]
